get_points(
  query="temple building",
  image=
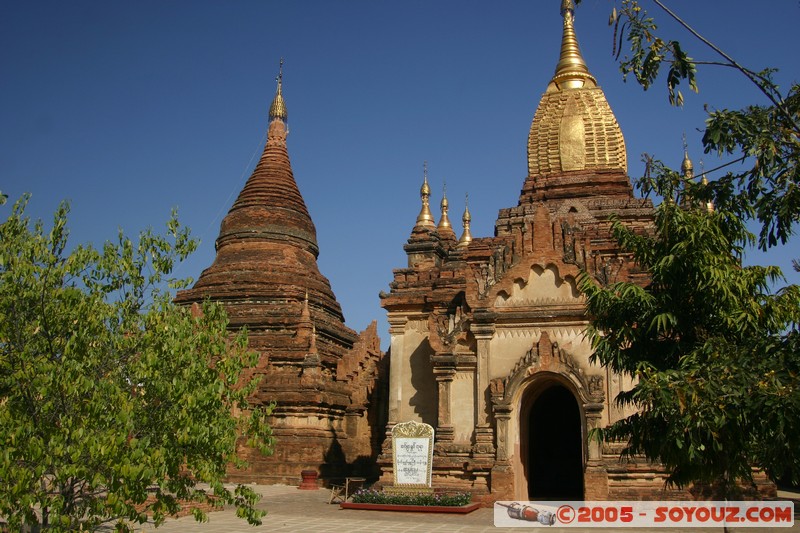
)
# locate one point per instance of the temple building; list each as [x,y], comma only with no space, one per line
[328,382]
[487,342]
[487,333]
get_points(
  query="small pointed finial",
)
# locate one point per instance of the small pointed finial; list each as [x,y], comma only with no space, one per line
[425,217]
[444,228]
[571,70]
[466,237]
[313,347]
[311,361]
[709,205]
[278,108]
[304,323]
[305,314]
[444,222]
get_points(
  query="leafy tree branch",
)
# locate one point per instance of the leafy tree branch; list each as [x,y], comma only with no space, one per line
[766,138]
[116,405]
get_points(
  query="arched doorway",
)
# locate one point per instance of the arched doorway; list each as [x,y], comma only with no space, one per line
[554,445]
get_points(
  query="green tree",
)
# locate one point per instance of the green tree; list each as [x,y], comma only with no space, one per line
[766,137]
[712,343]
[714,352]
[114,402]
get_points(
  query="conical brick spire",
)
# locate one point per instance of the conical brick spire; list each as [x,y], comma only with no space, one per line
[270,207]
[266,262]
[266,276]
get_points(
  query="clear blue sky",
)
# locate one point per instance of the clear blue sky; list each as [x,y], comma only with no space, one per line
[129,109]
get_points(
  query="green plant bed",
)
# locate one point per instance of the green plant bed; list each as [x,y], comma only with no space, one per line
[461,509]
[370,499]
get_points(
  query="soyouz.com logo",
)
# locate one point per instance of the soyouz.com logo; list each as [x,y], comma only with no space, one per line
[644,514]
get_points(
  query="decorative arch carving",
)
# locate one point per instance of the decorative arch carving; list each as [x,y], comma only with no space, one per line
[542,284]
[546,356]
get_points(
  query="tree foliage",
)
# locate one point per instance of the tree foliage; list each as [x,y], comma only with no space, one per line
[712,345]
[764,137]
[115,404]
[713,351]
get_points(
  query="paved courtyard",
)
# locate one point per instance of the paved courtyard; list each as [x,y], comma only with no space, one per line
[293,510]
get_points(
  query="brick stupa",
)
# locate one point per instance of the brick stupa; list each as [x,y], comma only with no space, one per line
[321,374]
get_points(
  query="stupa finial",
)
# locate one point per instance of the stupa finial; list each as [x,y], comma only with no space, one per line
[466,237]
[425,217]
[687,168]
[278,107]
[571,70]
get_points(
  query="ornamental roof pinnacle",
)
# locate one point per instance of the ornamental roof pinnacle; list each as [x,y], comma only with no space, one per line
[704,182]
[444,228]
[466,237]
[425,217]
[444,221]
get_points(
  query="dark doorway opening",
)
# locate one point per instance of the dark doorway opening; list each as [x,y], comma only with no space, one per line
[555,447]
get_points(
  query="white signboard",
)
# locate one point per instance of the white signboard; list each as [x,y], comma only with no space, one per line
[411,461]
[412,445]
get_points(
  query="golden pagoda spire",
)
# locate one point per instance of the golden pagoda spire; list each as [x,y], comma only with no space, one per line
[425,218]
[466,237]
[278,107]
[571,70]
[687,168]
[574,128]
